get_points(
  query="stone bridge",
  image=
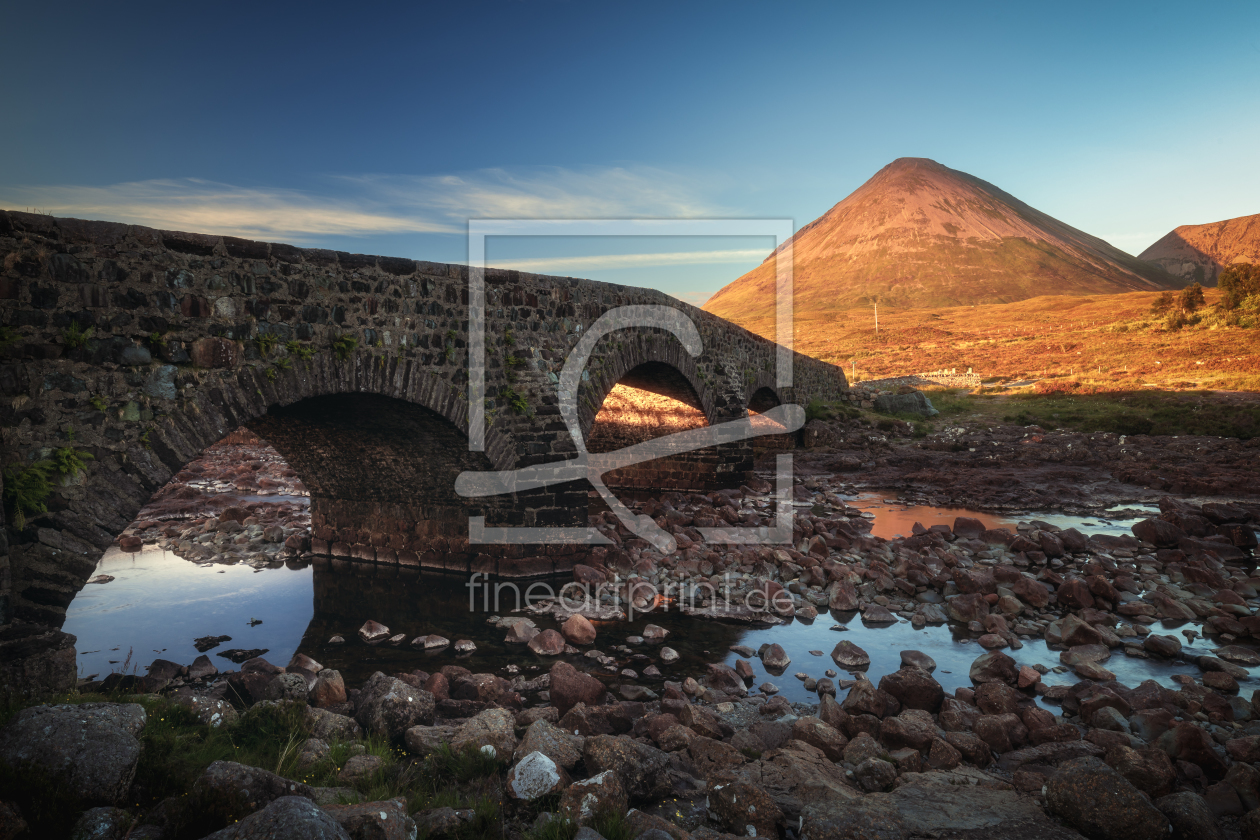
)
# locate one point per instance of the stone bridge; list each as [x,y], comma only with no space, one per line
[141,347]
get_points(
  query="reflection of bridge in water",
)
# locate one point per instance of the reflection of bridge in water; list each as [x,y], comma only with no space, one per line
[422,602]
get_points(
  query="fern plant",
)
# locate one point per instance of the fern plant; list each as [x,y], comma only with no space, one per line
[514,401]
[302,351]
[26,491]
[266,343]
[74,337]
[69,462]
[343,345]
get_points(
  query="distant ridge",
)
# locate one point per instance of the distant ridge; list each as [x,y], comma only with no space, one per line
[919,234]
[1199,253]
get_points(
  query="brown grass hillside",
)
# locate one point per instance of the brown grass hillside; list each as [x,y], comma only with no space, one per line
[1107,340]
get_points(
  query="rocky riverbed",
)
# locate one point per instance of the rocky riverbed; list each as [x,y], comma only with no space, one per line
[238,502]
[1065,750]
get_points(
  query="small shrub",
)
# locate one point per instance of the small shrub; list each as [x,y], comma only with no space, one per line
[1237,283]
[1163,303]
[99,403]
[1191,297]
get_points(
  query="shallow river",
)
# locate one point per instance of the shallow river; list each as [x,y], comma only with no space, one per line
[158,604]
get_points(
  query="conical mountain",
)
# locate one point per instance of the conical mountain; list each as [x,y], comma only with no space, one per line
[920,234]
[1199,253]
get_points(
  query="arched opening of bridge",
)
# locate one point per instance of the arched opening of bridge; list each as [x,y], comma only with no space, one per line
[651,401]
[218,552]
[762,400]
[381,473]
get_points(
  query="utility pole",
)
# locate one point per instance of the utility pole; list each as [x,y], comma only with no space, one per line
[876,318]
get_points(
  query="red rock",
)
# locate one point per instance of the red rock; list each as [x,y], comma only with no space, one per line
[1187,742]
[843,597]
[1246,749]
[588,575]
[570,686]
[997,698]
[913,729]
[1158,532]
[547,643]
[967,528]
[1074,594]
[1031,592]
[994,666]
[1221,681]
[1166,646]
[1027,677]
[914,688]
[943,755]
[215,353]
[967,608]
[1051,545]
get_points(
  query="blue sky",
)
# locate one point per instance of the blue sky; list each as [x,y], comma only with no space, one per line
[384,127]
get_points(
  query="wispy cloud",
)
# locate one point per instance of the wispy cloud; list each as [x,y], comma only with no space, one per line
[559,265]
[697,299]
[208,207]
[375,204]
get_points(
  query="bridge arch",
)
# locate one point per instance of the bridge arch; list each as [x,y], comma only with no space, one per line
[53,556]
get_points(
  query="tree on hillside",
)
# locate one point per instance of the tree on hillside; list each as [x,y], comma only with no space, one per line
[1163,303]
[1237,283]
[1191,297]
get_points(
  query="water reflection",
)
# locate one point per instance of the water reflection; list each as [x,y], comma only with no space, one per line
[159,603]
[893,518]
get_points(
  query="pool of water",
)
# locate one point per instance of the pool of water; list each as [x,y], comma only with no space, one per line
[159,603]
[896,519]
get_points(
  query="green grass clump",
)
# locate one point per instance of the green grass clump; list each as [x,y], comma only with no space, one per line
[176,748]
[1138,413]
[817,410]
[609,823]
